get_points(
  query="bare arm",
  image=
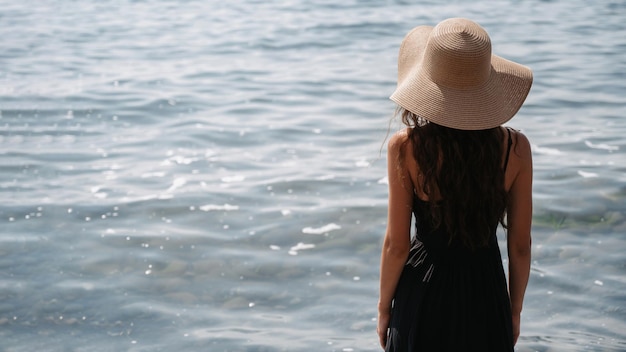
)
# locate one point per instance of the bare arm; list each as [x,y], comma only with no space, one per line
[519,217]
[397,237]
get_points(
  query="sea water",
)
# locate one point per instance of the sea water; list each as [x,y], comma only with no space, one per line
[211,175]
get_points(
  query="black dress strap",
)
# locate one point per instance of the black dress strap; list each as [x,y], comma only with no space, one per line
[508,149]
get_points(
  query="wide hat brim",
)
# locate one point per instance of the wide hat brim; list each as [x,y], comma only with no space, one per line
[451,101]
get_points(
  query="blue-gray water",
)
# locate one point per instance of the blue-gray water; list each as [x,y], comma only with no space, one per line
[208,175]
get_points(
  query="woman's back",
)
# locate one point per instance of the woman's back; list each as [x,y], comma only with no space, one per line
[451,297]
[513,164]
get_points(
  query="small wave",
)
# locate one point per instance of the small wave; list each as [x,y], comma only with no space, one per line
[321,230]
[215,207]
[300,246]
[602,146]
[176,184]
[587,174]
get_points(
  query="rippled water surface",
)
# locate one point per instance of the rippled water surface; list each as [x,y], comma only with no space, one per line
[210,175]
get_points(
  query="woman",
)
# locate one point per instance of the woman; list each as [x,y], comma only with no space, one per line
[460,174]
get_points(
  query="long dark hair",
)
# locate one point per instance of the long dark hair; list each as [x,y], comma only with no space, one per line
[463,177]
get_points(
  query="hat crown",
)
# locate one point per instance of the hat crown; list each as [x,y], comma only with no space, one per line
[458,54]
[448,76]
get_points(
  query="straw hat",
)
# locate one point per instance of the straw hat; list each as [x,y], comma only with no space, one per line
[448,76]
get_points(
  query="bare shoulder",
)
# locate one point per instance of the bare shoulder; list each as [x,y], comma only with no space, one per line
[520,160]
[521,145]
[398,140]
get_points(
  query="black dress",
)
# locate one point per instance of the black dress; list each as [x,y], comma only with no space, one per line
[450,298]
